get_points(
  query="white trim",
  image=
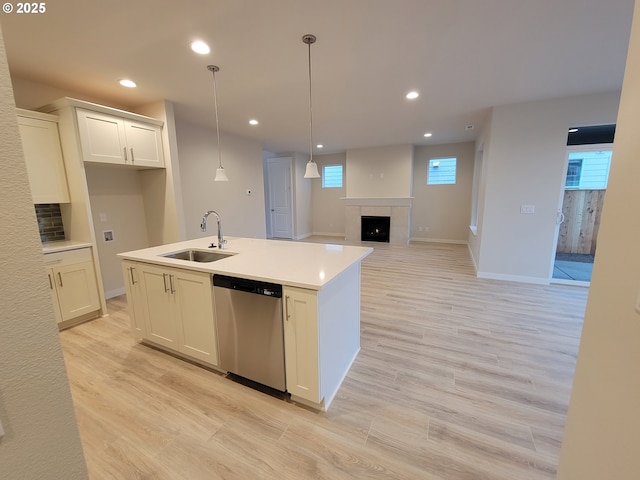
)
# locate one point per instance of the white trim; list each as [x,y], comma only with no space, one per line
[474,230]
[114,293]
[512,278]
[437,240]
[303,236]
[378,201]
[564,281]
[328,234]
[473,260]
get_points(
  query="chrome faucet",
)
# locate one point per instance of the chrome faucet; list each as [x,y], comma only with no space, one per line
[203,225]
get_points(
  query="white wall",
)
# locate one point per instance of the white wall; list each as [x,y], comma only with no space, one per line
[602,434]
[444,210]
[328,210]
[242,215]
[117,194]
[302,225]
[380,172]
[41,436]
[525,165]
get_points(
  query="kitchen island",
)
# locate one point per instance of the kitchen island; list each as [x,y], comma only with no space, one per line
[172,305]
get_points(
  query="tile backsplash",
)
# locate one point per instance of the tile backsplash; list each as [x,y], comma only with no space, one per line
[49,222]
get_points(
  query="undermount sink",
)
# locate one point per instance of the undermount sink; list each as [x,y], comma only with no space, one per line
[202,256]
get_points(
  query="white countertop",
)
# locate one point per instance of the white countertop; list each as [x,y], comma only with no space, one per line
[299,264]
[63,245]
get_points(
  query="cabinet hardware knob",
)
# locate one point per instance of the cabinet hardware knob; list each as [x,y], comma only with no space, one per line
[133,280]
[124,149]
[50,282]
[132,157]
[164,280]
[60,279]
[173,290]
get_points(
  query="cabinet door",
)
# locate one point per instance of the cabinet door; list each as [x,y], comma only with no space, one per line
[301,343]
[131,273]
[43,156]
[77,289]
[54,295]
[159,308]
[194,309]
[102,138]
[144,144]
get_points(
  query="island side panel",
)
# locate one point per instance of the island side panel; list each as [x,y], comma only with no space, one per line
[338,329]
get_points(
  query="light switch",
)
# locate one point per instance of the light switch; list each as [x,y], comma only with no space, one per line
[528,209]
[1,430]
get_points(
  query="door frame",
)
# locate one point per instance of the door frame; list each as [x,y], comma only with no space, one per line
[559,220]
[267,190]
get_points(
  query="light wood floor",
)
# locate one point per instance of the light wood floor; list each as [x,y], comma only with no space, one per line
[457,378]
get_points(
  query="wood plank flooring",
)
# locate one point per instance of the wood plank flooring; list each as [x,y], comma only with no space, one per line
[457,378]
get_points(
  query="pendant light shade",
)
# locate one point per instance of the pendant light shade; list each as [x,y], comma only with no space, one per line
[312,168]
[221,175]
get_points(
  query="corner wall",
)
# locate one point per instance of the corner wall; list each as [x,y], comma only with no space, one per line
[328,210]
[602,433]
[526,166]
[442,211]
[41,435]
[242,215]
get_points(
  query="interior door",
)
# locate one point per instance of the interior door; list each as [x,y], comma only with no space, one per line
[280,201]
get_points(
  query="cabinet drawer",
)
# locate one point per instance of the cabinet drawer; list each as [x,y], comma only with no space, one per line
[68,257]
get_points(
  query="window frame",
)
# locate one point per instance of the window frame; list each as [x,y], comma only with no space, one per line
[324,175]
[431,167]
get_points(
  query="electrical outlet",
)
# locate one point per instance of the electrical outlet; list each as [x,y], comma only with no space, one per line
[527,209]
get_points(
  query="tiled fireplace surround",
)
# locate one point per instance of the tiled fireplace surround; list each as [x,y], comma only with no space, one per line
[399,209]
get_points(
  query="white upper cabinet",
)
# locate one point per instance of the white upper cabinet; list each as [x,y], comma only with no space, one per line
[116,140]
[43,156]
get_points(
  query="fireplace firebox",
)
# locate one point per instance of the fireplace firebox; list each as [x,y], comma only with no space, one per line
[375,229]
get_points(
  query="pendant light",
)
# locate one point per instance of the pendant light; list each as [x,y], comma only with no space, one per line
[312,167]
[221,175]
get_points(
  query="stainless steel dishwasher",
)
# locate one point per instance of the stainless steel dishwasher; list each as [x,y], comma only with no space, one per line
[250,329]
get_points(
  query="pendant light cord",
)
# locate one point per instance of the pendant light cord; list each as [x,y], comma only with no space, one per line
[213,69]
[310,111]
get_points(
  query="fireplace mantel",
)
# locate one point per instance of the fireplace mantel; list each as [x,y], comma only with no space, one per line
[378,201]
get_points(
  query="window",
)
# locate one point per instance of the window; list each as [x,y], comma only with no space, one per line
[442,171]
[332,176]
[573,172]
[588,167]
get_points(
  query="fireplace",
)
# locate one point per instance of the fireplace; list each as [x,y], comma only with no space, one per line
[375,229]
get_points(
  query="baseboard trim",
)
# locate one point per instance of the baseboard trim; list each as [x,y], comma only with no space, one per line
[513,278]
[328,234]
[114,293]
[437,240]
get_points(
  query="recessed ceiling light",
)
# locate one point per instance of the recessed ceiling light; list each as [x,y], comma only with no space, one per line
[253,122]
[128,83]
[412,95]
[573,130]
[319,145]
[428,134]
[200,47]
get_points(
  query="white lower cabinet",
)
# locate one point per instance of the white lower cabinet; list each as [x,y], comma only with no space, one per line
[133,286]
[173,308]
[72,280]
[301,343]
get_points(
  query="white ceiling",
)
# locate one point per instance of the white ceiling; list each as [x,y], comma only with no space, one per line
[463,56]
